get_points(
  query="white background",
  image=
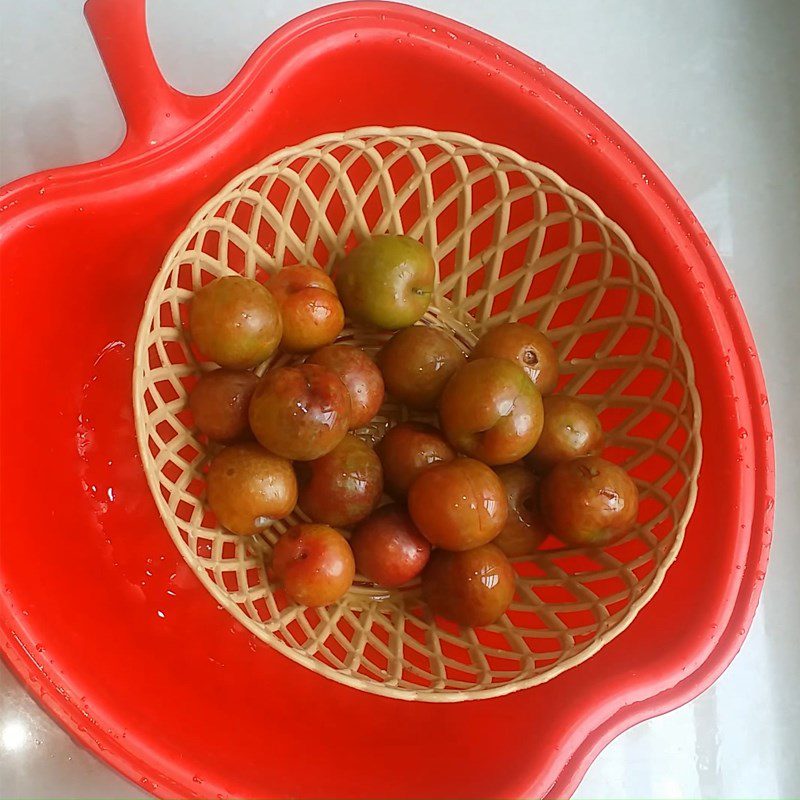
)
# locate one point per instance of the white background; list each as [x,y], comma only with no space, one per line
[710,90]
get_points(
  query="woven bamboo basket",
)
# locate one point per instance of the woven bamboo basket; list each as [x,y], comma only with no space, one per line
[512,242]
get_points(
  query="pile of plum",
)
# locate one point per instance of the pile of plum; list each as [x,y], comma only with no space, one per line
[510,463]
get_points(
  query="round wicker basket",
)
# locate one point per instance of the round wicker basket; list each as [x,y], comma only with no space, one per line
[512,242]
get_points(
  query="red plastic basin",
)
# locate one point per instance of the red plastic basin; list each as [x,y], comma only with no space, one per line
[100,616]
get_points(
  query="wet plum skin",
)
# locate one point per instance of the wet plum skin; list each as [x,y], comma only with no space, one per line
[388,548]
[235,321]
[472,587]
[342,487]
[219,403]
[417,363]
[386,281]
[360,375]
[300,412]
[407,450]
[491,411]
[524,530]
[247,487]
[526,346]
[571,429]
[310,308]
[588,501]
[314,563]
[458,504]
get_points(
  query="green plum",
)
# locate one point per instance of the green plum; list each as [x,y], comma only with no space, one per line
[386,281]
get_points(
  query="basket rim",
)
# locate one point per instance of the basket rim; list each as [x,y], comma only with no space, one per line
[224,598]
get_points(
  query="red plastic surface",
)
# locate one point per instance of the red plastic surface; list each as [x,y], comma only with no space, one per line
[98,613]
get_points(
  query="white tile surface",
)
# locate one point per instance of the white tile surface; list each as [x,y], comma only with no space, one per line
[710,90]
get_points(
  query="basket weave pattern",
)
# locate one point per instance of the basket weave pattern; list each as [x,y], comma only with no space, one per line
[512,242]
